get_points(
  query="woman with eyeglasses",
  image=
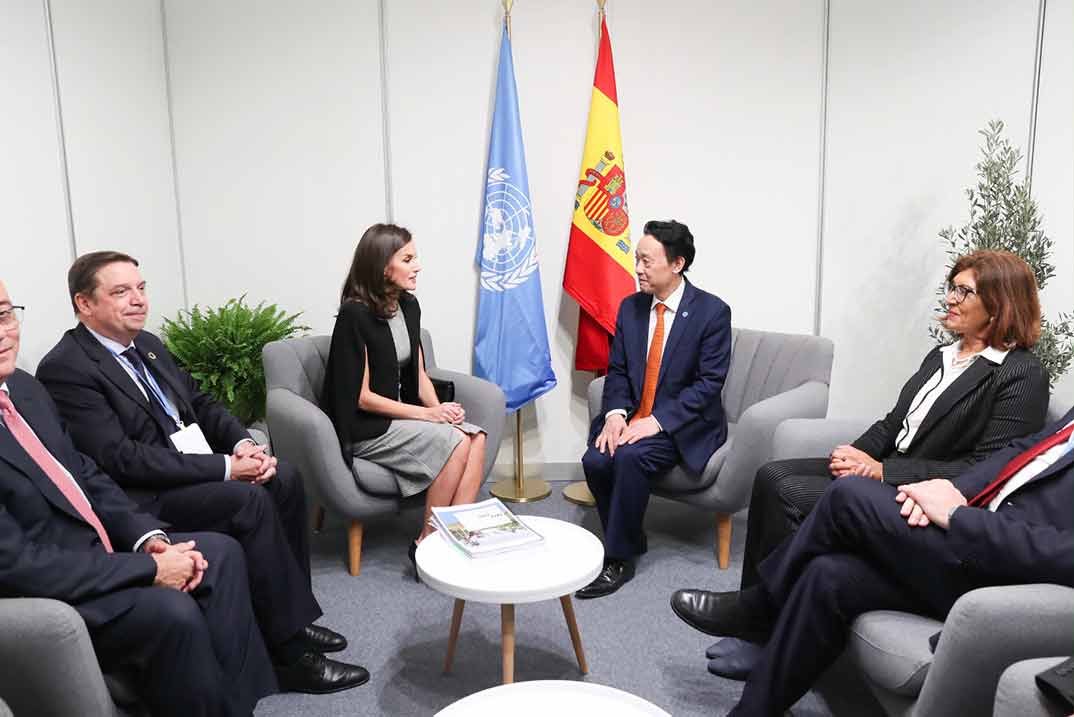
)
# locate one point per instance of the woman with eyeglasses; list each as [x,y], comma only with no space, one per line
[965,401]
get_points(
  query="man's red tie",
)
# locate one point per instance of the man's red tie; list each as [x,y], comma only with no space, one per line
[1017,463]
[50,466]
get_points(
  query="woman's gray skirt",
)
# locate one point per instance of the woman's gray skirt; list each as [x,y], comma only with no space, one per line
[414,451]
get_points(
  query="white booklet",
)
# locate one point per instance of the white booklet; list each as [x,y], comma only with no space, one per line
[485,528]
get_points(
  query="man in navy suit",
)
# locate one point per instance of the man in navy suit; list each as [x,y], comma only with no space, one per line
[176,618]
[1008,520]
[662,397]
[184,458]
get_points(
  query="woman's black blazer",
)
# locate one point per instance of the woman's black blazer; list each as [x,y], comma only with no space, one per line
[357,331]
[986,407]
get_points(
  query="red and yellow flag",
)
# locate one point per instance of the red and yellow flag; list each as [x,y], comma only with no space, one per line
[600,259]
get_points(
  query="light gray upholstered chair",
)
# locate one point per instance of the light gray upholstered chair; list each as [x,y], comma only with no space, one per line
[986,631]
[772,377]
[49,667]
[302,433]
[1018,695]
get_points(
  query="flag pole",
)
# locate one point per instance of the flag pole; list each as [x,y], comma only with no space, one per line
[519,489]
[578,492]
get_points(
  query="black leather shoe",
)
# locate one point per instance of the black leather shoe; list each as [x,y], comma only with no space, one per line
[738,661]
[321,639]
[616,574]
[721,614]
[315,674]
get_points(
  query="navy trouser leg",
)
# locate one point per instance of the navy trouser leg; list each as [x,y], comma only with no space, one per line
[622,493]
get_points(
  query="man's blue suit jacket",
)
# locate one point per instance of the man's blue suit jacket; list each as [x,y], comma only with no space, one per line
[693,368]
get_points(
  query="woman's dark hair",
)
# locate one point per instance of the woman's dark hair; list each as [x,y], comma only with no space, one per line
[365,281]
[676,238]
[1007,288]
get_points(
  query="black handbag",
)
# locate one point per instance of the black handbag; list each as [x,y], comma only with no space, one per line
[445,390]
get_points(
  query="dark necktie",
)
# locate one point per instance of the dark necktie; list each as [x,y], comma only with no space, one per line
[135,358]
[50,466]
[1017,463]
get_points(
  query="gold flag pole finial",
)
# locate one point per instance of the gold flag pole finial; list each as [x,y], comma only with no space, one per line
[600,7]
[507,5]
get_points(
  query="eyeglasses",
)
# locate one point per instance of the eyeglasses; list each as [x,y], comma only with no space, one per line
[11,316]
[960,291]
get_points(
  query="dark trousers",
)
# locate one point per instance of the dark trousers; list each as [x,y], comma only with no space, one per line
[620,485]
[854,553]
[784,492]
[197,653]
[270,522]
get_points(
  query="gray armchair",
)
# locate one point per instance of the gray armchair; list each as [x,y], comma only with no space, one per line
[1018,695]
[986,631]
[772,377]
[302,433]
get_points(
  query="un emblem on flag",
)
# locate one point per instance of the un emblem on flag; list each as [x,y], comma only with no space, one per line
[508,244]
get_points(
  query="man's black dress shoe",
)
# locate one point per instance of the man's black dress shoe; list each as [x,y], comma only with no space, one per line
[321,639]
[738,661]
[616,574]
[721,614]
[317,675]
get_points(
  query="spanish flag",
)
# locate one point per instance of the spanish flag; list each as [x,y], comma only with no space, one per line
[600,261]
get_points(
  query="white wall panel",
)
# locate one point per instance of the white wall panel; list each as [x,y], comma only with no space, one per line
[278,139]
[910,84]
[33,224]
[719,104]
[1053,167]
[110,61]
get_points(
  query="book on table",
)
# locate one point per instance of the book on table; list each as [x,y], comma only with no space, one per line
[485,528]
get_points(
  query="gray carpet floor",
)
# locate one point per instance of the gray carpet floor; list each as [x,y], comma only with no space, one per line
[398,628]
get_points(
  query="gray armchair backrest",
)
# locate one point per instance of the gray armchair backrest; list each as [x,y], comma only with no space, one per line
[765,363]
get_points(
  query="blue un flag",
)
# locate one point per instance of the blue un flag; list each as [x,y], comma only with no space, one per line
[511,342]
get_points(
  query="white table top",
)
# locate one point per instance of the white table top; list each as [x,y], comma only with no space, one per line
[568,558]
[540,698]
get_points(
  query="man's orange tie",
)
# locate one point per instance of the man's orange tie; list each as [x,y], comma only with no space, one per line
[652,367]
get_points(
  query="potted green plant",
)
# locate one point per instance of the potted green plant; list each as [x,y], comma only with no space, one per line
[221,348]
[1004,215]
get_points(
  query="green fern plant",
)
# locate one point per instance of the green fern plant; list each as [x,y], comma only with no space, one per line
[1004,216]
[221,348]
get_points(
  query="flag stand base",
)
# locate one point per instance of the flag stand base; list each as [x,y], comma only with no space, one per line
[578,493]
[520,489]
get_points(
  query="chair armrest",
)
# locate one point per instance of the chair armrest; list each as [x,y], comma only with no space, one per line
[596,396]
[485,405]
[1018,695]
[987,630]
[48,659]
[304,435]
[814,438]
[752,447]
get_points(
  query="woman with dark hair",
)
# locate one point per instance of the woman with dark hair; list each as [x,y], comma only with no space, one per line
[966,400]
[376,391]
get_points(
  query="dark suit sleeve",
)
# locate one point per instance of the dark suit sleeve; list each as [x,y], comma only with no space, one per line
[1020,404]
[1012,550]
[879,439]
[617,382]
[30,569]
[977,478]
[343,374]
[98,432]
[120,515]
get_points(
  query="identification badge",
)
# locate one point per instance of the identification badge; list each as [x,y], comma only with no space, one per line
[191,440]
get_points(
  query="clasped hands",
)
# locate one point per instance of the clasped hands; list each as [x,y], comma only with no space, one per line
[617,432]
[252,464]
[929,501]
[179,566]
[847,460]
[450,412]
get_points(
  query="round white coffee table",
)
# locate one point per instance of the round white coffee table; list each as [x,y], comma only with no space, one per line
[568,558]
[549,697]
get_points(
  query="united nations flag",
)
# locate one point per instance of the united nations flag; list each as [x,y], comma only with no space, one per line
[511,341]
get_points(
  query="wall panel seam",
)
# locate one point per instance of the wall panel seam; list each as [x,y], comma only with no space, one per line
[60,133]
[174,158]
[384,116]
[818,277]
[1034,102]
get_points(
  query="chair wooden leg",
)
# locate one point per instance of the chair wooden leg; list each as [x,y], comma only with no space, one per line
[572,627]
[723,540]
[354,547]
[453,637]
[318,519]
[507,621]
